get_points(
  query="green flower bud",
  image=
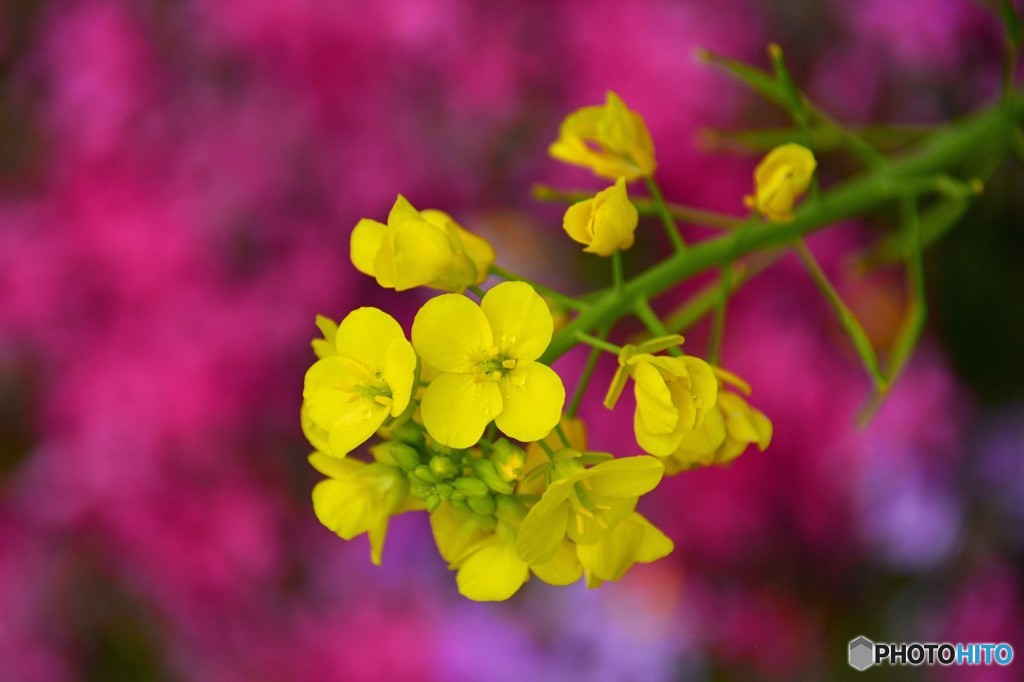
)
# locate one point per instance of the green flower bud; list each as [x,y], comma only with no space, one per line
[510,509]
[404,456]
[485,471]
[424,473]
[482,505]
[432,503]
[443,490]
[471,487]
[409,433]
[509,460]
[443,467]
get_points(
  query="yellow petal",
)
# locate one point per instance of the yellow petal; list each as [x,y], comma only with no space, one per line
[365,336]
[610,558]
[402,212]
[563,569]
[626,476]
[543,529]
[419,254]
[449,331]
[655,544]
[520,320]
[763,426]
[316,434]
[355,426]
[455,409]
[365,243]
[399,373]
[614,220]
[578,221]
[343,506]
[334,467]
[654,406]
[738,418]
[532,398]
[493,572]
[455,531]
[326,389]
[703,385]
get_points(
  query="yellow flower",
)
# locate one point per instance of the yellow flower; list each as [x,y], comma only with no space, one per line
[347,396]
[673,394]
[779,180]
[489,569]
[727,430]
[487,358]
[610,140]
[420,248]
[584,503]
[605,223]
[633,539]
[359,498]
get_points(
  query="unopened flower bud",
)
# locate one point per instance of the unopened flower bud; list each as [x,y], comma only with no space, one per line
[424,473]
[443,467]
[404,456]
[486,472]
[482,505]
[471,487]
[509,460]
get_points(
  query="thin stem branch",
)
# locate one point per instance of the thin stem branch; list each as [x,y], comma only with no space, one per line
[600,344]
[849,322]
[671,229]
[654,325]
[584,381]
[558,297]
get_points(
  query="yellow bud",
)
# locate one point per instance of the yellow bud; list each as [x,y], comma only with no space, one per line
[779,180]
[606,223]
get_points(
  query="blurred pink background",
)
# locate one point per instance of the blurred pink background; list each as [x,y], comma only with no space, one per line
[177,186]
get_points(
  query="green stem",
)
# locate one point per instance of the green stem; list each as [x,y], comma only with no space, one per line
[917,311]
[718,321]
[671,229]
[588,372]
[600,344]
[476,290]
[704,301]
[653,323]
[617,271]
[849,322]
[567,301]
[547,448]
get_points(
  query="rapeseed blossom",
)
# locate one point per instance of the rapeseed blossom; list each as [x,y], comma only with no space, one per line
[348,396]
[611,140]
[673,394]
[584,503]
[358,498]
[730,426]
[420,248]
[487,356]
[780,179]
[606,223]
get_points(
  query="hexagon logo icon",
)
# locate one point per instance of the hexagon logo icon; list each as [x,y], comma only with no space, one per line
[862,653]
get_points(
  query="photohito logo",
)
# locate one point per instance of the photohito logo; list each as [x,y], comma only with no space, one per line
[864,653]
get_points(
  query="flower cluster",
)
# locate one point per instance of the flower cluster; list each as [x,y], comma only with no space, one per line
[469,421]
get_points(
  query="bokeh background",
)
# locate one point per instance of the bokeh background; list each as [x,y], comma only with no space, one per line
[177,185]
